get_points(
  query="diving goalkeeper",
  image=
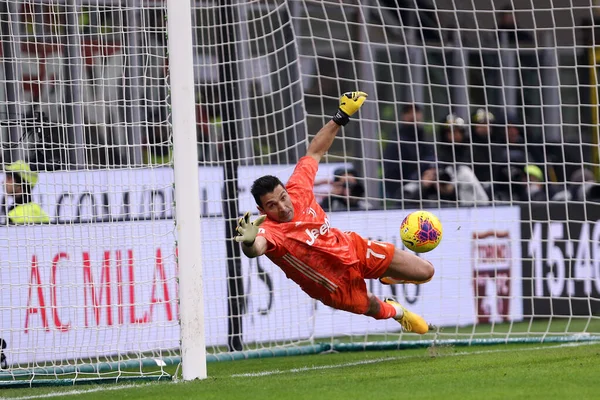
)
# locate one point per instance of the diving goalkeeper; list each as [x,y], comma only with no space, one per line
[329,265]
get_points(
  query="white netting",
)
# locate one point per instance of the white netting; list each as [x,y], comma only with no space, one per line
[518,82]
[512,173]
[88,240]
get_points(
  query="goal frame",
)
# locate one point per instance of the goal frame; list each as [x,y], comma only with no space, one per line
[187,202]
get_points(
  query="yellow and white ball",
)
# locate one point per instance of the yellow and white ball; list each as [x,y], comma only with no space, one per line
[421,231]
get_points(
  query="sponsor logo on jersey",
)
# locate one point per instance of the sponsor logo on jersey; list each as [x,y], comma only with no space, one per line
[314,233]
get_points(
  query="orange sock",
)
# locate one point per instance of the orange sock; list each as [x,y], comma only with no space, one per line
[385,311]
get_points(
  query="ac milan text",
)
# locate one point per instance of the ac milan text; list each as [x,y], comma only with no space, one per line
[108,299]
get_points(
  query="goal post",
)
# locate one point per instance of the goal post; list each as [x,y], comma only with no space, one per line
[107,284]
[186,187]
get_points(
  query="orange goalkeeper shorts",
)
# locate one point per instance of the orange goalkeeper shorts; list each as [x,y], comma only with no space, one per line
[374,259]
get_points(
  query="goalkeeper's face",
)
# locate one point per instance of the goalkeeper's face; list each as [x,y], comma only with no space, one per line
[277,205]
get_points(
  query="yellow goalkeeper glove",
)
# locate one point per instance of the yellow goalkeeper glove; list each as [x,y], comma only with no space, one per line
[350,102]
[247,230]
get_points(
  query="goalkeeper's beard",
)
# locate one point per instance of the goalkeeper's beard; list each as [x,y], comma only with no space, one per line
[286,216]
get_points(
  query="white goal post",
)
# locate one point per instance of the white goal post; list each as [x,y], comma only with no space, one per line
[138,127]
[187,193]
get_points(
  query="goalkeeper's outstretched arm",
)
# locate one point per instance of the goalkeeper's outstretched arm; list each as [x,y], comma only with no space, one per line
[350,102]
[258,248]
[252,245]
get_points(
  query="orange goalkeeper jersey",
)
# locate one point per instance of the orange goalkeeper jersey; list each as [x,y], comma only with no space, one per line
[309,251]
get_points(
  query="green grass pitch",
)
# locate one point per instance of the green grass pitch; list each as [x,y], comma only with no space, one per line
[553,371]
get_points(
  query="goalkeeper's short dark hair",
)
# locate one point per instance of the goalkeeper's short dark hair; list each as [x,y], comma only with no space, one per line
[263,185]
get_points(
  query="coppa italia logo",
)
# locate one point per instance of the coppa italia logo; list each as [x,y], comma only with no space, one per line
[106,292]
[491,255]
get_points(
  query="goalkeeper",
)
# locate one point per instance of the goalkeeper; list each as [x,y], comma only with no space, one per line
[329,265]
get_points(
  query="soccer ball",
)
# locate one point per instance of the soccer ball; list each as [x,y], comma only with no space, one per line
[421,231]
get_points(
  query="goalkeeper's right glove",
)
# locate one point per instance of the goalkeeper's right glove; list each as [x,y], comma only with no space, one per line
[350,102]
[247,230]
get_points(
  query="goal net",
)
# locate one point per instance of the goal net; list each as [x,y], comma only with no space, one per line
[484,113]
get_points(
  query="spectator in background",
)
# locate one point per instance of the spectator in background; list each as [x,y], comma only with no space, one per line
[209,126]
[19,182]
[347,192]
[454,147]
[529,184]
[404,160]
[509,30]
[510,156]
[159,147]
[454,154]
[535,189]
[582,186]
[482,136]
[445,186]
[434,189]
[520,147]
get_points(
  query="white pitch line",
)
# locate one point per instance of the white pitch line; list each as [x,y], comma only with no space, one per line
[320,367]
[74,392]
[304,369]
[386,359]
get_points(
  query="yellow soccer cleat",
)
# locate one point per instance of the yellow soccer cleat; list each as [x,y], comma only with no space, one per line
[410,322]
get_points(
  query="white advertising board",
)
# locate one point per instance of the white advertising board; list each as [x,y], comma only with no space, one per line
[80,290]
[71,291]
[146,193]
[448,300]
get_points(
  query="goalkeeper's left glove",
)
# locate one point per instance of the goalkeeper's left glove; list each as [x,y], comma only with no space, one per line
[247,230]
[350,102]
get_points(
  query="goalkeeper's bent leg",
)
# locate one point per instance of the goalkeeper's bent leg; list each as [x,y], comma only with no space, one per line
[407,268]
